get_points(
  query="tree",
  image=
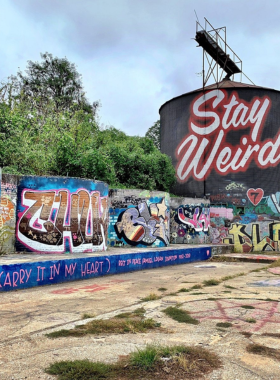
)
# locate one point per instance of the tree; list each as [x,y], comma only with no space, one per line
[153,133]
[53,81]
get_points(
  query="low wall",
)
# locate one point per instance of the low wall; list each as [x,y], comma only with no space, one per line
[27,275]
[189,220]
[8,200]
[138,218]
[61,214]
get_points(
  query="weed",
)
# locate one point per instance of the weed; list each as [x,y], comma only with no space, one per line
[275,264]
[250,320]
[86,316]
[226,278]
[144,358]
[162,289]
[130,314]
[229,287]
[246,334]
[118,325]
[212,299]
[80,369]
[180,316]
[185,362]
[211,282]
[247,307]
[258,270]
[226,291]
[263,350]
[183,290]
[224,324]
[196,294]
[198,286]
[151,297]
[172,294]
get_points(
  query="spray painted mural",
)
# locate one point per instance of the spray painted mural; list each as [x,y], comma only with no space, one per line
[139,218]
[8,196]
[252,224]
[56,214]
[225,145]
[189,223]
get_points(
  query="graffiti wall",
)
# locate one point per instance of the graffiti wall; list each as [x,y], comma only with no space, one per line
[8,198]
[58,214]
[225,145]
[189,221]
[252,224]
[138,218]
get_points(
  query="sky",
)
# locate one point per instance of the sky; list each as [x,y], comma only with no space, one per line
[134,55]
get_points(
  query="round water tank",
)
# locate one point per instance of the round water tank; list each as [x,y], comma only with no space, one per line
[224,141]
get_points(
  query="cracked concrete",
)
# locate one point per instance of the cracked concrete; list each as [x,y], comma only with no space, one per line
[27,315]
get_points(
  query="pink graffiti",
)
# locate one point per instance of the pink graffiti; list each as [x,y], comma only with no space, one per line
[199,221]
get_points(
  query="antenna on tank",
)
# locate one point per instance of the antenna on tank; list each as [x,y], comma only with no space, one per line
[218,57]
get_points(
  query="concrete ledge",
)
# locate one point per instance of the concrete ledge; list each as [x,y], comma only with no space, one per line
[250,257]
[26,271]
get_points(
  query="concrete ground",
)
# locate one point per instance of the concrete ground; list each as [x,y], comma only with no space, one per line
[27,315]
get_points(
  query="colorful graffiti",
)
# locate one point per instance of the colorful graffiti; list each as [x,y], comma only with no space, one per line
[139,219]
[144,224]
[62,220]
[7,213]
[190,224]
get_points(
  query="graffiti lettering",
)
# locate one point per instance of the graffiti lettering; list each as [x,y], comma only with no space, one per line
[200,220]
[53,218]
[244,242]
[144,224]
[197,154]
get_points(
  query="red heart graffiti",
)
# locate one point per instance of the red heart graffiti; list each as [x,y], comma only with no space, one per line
[255,195]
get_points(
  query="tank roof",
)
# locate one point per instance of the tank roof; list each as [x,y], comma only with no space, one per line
[225,83]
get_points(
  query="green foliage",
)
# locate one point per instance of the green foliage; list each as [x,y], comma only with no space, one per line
[47,127]
[79,370]
[180,316]
[153,133]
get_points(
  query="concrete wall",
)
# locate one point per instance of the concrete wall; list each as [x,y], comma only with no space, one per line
[189,220]
[8,200]
[138,218]
[59,214]
[250,227]
[29,274]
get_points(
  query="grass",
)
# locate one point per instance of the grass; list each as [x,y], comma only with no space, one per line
[224,324]
[264,351]
[275,264]
[162,289]
[211,282]
[148,363]
[87,316]
[183,290]
[212,299]
[229,287]
[196,294]
[247,307]
[258,270]
[130,322]
[226,291]
[246,334]
[180,315]
[197,286]
[250,320]
[130,314]
[151,297]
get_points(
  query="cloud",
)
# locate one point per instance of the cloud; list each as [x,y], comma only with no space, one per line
[136,55]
